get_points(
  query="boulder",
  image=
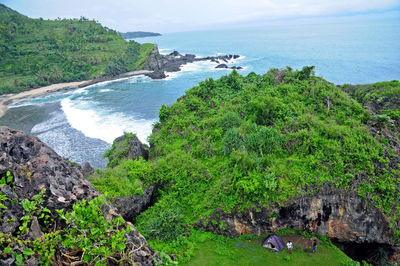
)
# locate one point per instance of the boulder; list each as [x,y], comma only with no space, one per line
[131,207]
[156,75]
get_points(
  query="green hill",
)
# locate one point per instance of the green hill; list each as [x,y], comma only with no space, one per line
[258,141]
[37,52]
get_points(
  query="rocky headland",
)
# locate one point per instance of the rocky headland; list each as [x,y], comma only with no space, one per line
[173,62]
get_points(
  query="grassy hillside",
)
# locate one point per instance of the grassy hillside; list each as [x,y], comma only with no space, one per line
[37,52]
[242,142]
[382,99]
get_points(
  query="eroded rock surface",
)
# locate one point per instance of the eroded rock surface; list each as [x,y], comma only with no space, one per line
[341,216]
[34,167]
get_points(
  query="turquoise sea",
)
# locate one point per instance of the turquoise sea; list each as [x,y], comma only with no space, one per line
[80,124]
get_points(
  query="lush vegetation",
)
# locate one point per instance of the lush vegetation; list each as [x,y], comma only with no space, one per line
[86,236]
[138,34]
[37,52]
[260,140]
[382,98]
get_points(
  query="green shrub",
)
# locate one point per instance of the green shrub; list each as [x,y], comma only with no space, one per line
[123,180]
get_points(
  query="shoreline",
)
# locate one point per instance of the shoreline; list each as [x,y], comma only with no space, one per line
[8,100]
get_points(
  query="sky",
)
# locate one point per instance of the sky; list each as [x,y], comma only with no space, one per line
[186,15]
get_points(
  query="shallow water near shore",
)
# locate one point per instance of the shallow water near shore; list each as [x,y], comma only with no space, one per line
[80,124]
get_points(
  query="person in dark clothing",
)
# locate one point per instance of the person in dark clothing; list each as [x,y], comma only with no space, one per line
[314,246]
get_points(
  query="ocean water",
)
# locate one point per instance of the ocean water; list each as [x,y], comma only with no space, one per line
[80,124]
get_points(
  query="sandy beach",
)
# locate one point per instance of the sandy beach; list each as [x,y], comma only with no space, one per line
[9,99]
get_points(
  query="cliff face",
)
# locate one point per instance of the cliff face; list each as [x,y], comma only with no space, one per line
[341,216]
[35,167]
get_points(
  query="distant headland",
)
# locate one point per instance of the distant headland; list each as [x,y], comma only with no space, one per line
[138,34]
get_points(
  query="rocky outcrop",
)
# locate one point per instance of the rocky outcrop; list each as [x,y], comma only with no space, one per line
[131,207]
[341,216]
[33,167]
[133,148]
[226,66]
[173,62]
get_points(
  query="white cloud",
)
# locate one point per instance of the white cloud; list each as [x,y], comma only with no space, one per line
[175,15]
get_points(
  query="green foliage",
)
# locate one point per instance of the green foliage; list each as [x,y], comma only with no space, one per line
[232,140]
[91,233]
[165,225]
[37,52]
[87,234]
[124,180]
[119,150]
[240,141]
[163,114]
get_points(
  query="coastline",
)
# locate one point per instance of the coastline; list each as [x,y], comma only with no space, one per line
[9,99]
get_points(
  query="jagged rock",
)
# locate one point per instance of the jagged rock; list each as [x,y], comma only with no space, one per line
[9,221]
[134,149]
[131,207]
[222,66]
[175,53]
[341,216]
[157,75]
[87,170]
[35,231]
[35,166]
[172,62]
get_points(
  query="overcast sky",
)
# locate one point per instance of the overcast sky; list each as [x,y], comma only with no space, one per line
[184,15]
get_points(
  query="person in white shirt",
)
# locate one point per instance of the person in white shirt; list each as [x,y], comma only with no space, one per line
[289,245]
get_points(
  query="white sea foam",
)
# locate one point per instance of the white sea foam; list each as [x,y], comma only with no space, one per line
[105,90]
[139,79]
[104,124]
[165,50]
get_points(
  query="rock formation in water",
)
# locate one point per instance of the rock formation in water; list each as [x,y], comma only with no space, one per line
[174,61]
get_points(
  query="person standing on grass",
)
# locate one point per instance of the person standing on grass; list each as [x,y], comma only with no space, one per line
[314,246]
[289,245]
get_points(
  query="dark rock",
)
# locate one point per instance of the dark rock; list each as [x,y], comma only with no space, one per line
[131,207]
[344,217]
[235,67]
[157,75]
[236,56]
[87,170]
[35,230]
[172,62]
[222,66]
[35,166]
[175,53]
[134,149]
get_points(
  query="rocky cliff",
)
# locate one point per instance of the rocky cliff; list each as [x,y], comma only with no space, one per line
[173,62]
[344,217]
[27,168]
